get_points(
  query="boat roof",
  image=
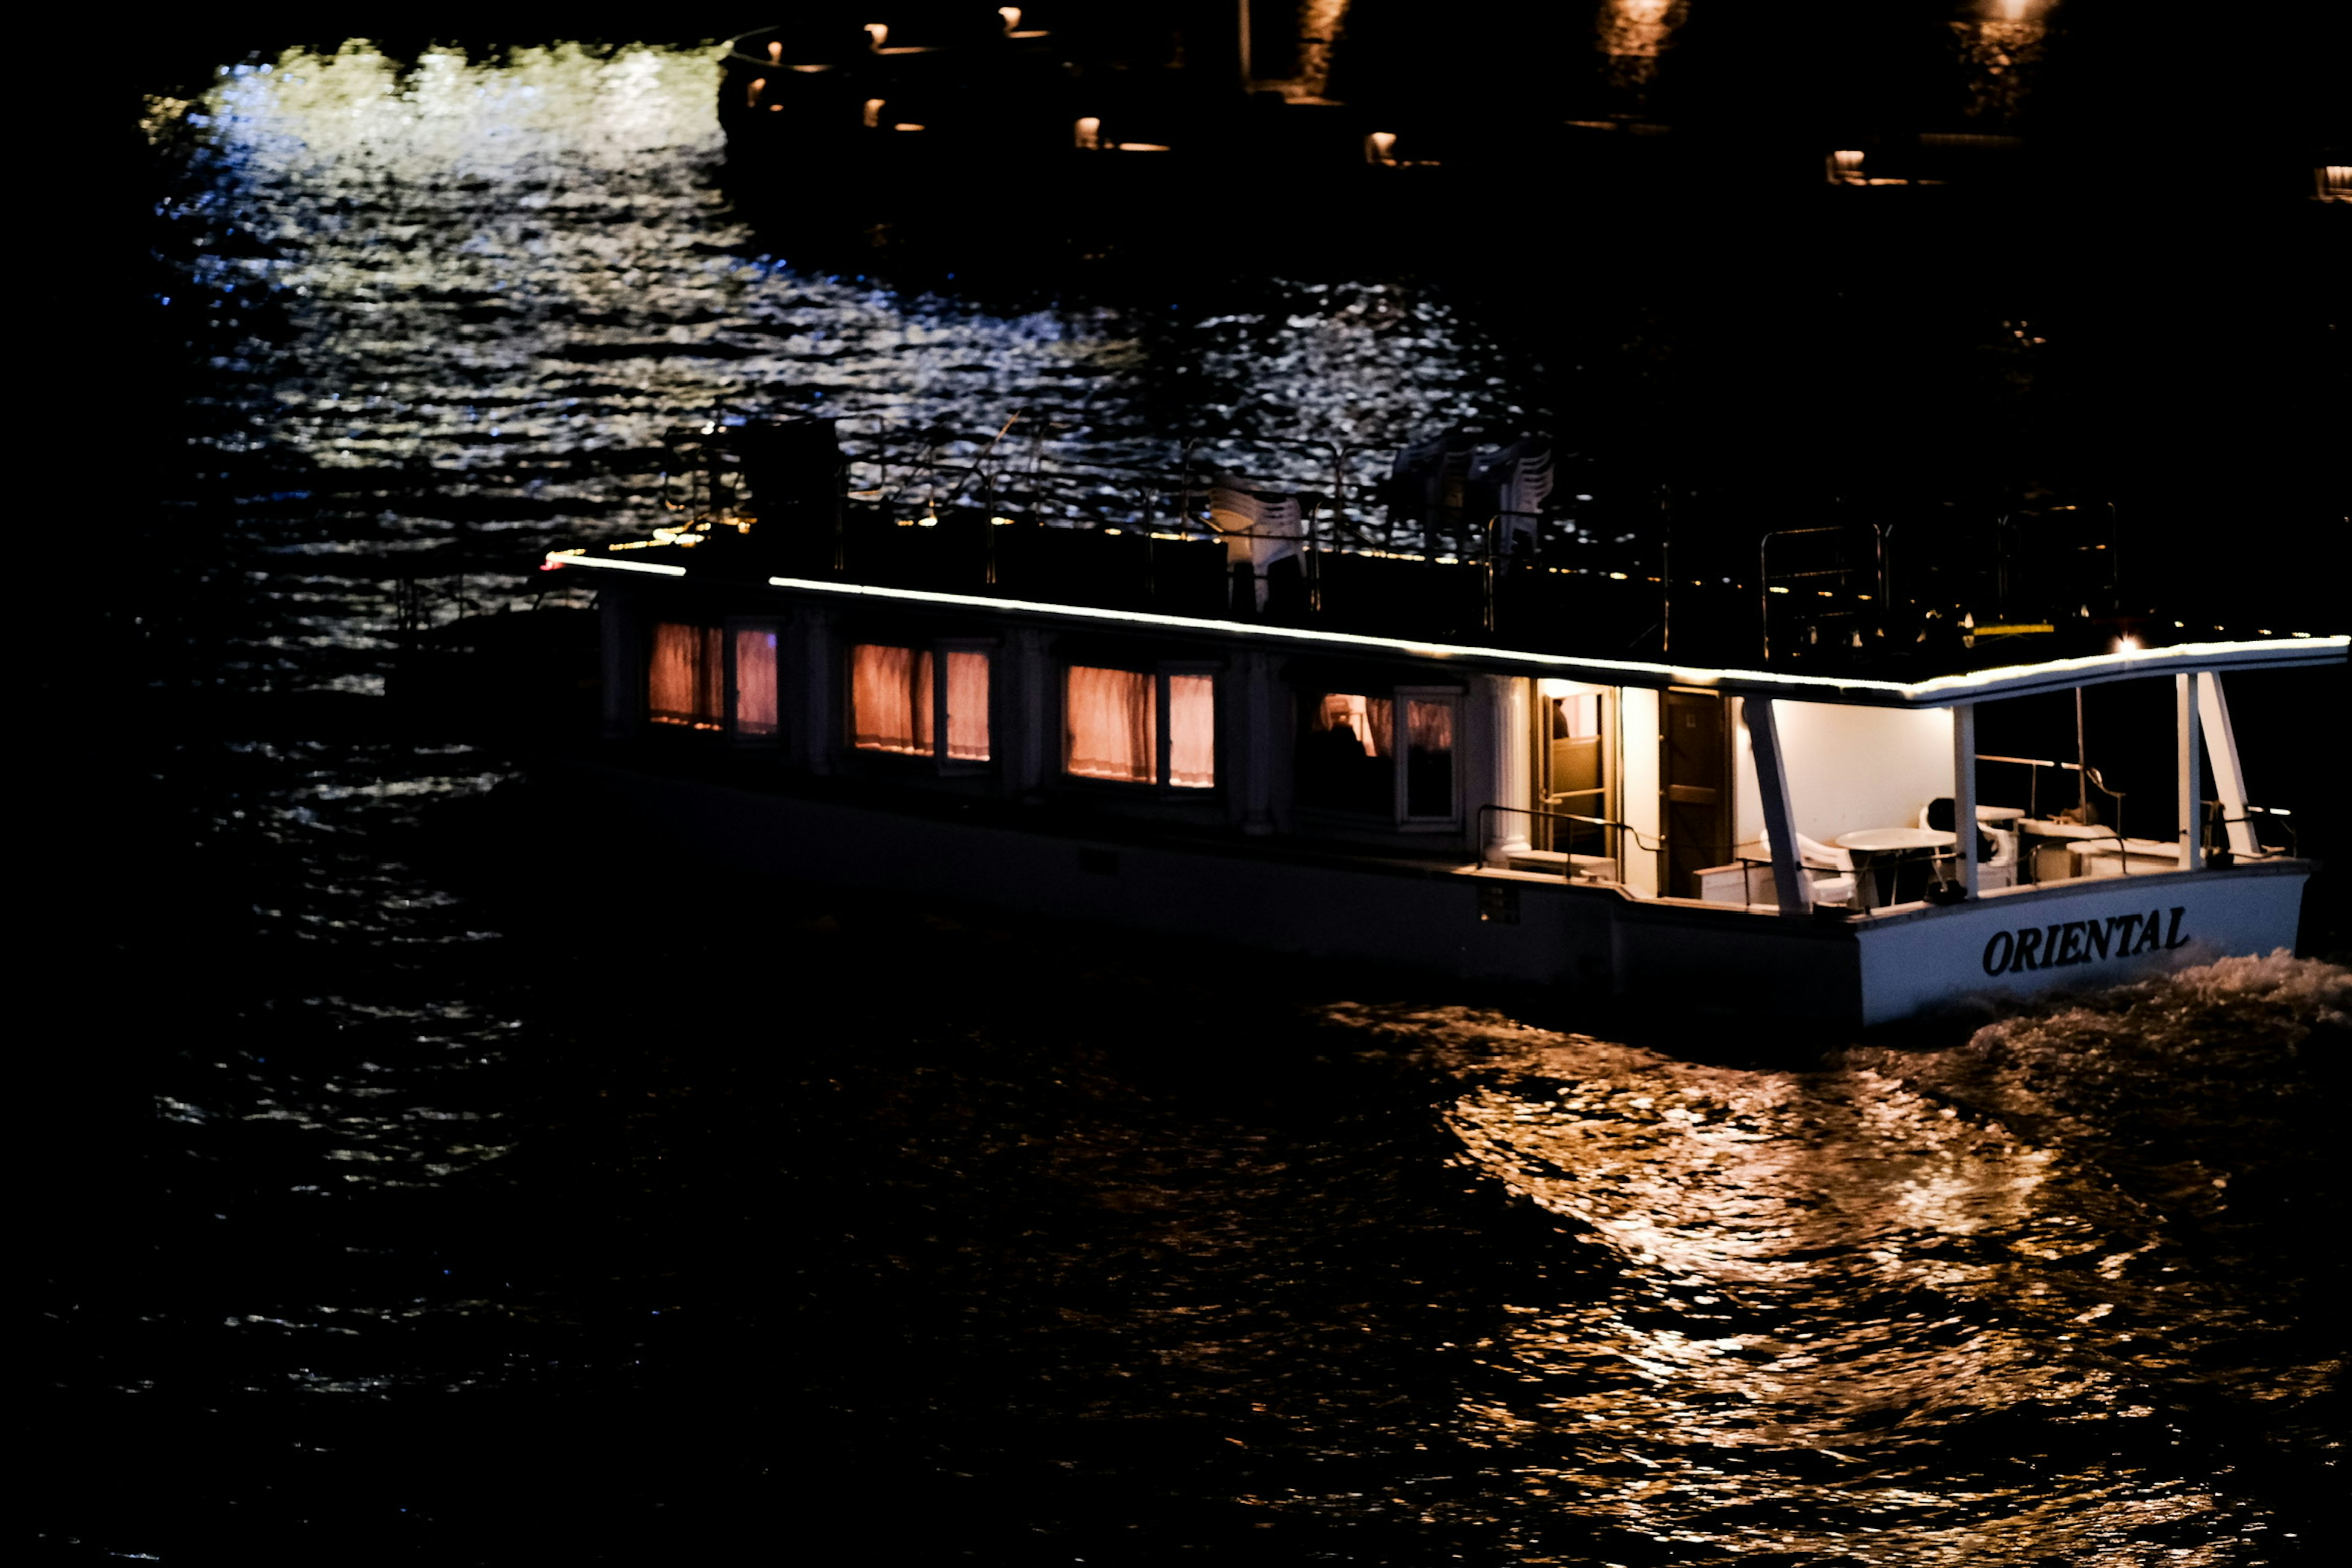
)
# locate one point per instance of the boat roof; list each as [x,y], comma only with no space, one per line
[2127,661]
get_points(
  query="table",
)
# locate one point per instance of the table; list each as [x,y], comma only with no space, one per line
[1884,853]
[1887,840]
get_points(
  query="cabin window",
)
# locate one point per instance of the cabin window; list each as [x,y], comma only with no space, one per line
[964,694]
[889,698]
[1429,757]
[1191,731]
[1351,744]
[920,701]
[1347,758]
[1132,726]
[754,706]
[685,676]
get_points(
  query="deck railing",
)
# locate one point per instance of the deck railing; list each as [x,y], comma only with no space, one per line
[2033,781]
[2222,825]
[1641,841]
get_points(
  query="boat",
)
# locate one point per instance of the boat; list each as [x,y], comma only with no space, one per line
[1255,718]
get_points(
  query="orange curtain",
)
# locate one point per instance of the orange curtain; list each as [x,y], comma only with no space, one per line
[968,707]
[755,683]
[1113,730]
[919,696]
[886,714]
[1192,730]
[1433,725]
[683,676]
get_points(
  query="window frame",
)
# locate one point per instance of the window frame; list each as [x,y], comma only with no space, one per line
[938,760]
[1160,785]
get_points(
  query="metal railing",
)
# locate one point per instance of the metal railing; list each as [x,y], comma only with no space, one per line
[1766,585]
[2033,781]
[415,598]
[1643,842]
[2222,855]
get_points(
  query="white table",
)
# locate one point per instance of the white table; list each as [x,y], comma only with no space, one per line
[1878,852]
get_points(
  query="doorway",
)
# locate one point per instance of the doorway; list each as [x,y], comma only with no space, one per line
[1573,726]
[1694,780]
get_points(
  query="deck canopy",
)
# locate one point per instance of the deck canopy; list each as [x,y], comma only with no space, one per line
[1938,691]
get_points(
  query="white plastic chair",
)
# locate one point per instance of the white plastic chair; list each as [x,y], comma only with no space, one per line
[2004,851]
[1813,856]
[1260,527]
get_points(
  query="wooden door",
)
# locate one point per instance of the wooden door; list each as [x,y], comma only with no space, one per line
[1694,774]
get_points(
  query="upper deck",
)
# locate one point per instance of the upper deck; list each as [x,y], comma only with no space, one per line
[1548,609]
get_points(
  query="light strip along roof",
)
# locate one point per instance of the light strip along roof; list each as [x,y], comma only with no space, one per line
[1940,691]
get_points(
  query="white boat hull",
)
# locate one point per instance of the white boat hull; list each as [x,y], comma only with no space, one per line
[2085,932]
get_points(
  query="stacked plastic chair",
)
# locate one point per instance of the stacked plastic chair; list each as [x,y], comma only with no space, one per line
[1511,485]
[1428,485]
[1259,526]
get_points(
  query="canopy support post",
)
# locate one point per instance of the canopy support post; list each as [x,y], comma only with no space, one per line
[2192,792]
[2229,772]
[1780,821]
[1964,792]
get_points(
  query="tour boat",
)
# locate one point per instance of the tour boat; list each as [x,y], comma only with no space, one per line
[1242,724]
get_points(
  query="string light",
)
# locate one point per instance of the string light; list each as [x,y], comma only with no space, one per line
[1938,693]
